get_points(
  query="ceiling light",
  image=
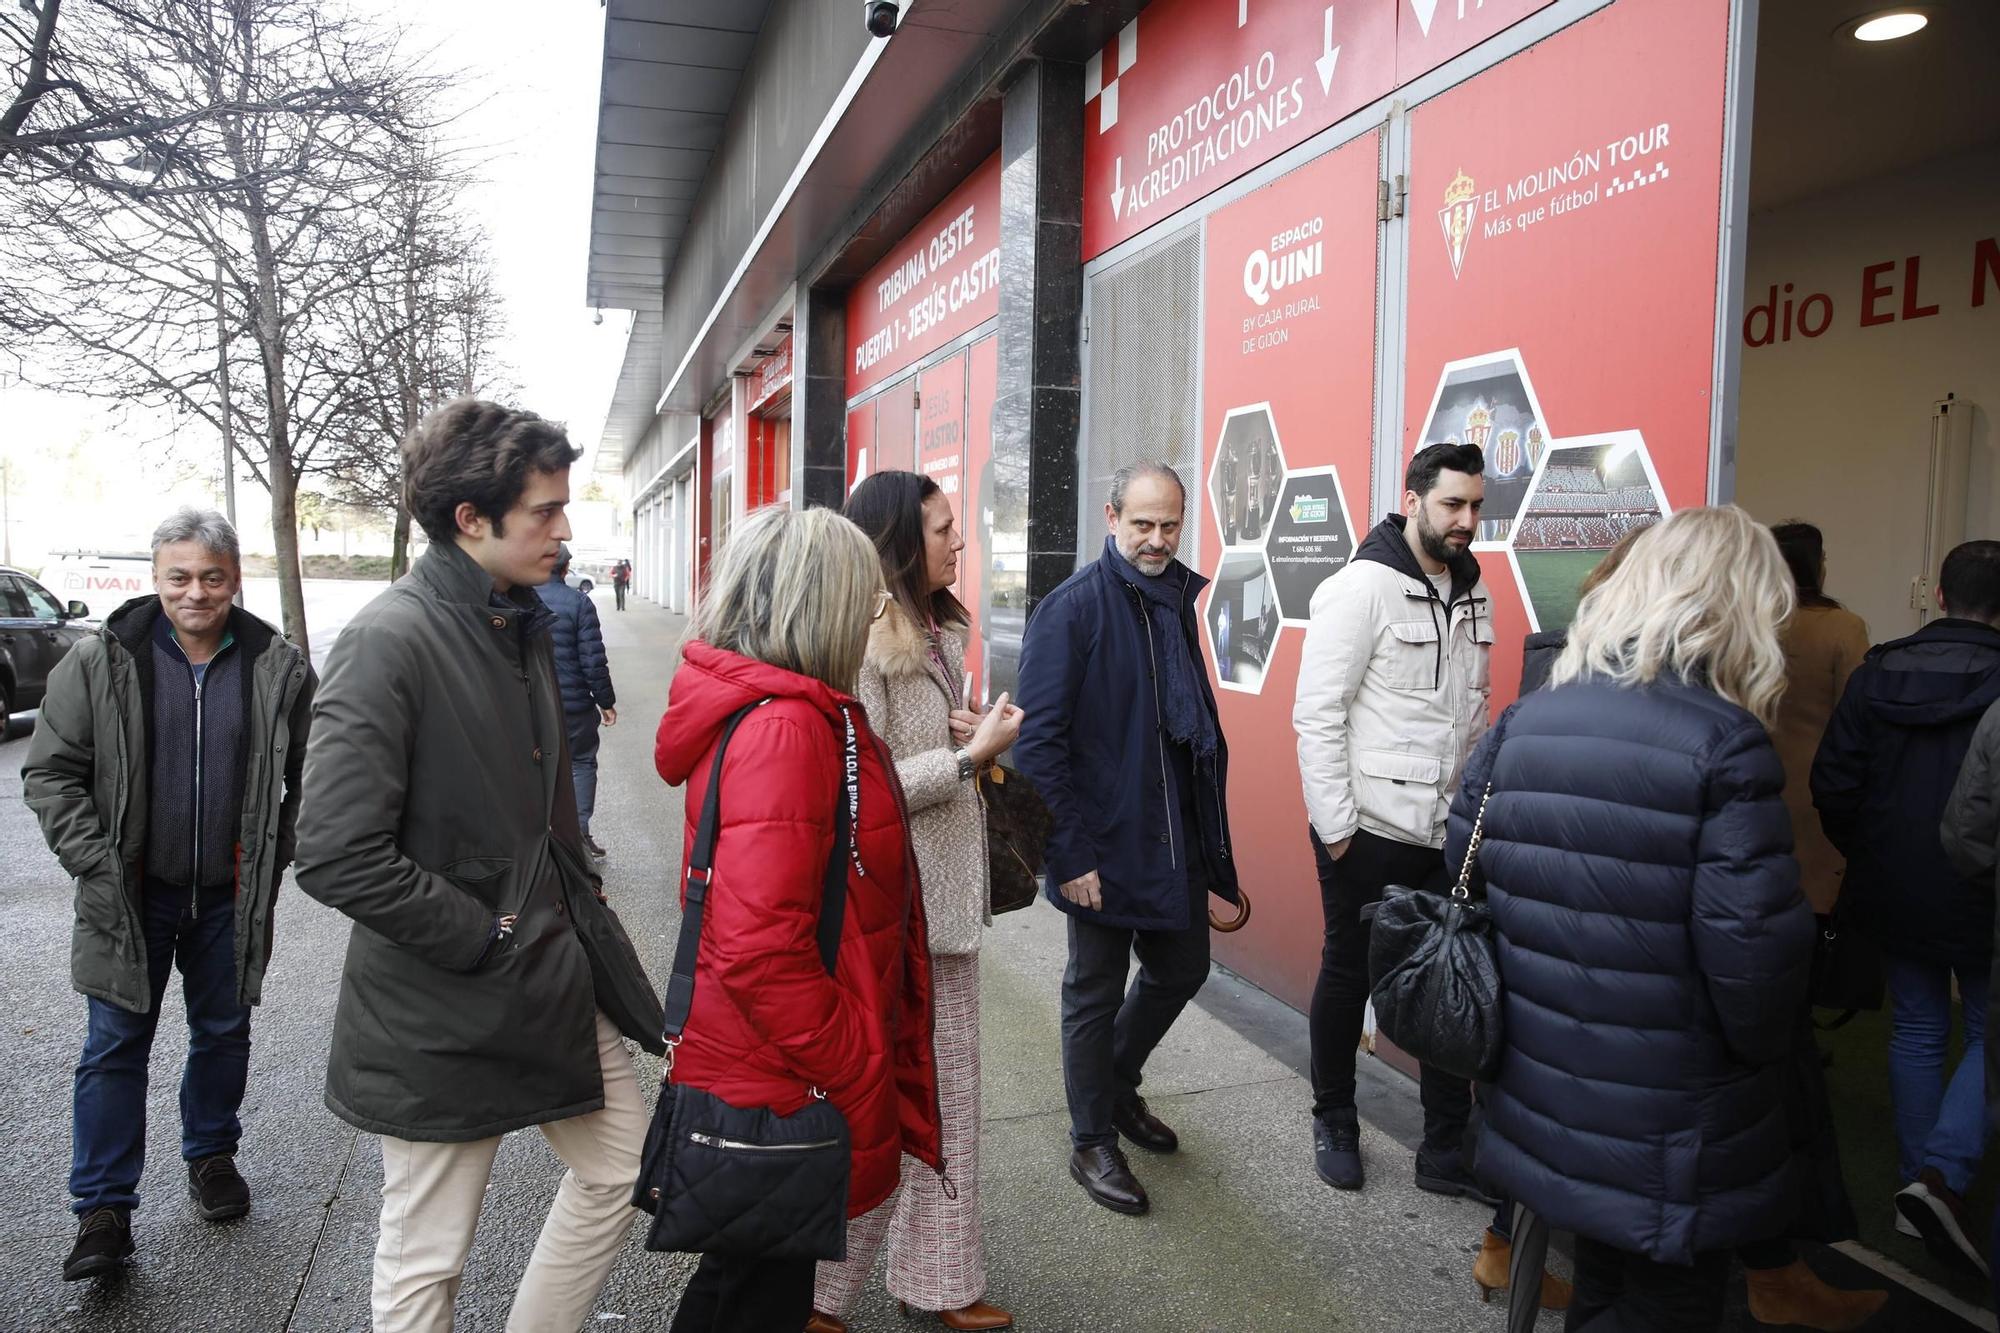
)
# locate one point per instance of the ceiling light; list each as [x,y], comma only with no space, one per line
[1889,25]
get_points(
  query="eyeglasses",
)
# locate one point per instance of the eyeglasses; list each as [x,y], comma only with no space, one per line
[881,605]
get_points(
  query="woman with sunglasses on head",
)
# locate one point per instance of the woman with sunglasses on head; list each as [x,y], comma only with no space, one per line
[913,684]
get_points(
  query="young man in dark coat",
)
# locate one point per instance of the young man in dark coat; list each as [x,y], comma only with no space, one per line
[583,669]
[1123,742]
[442,819]
[1884,772]
[165,771]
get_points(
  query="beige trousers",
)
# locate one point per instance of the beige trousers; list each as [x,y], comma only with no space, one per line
[432,1192]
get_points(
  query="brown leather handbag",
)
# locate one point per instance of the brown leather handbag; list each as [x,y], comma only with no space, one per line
[1017,838]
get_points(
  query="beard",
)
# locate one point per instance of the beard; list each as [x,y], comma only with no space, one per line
[1435,543]
[1149,562]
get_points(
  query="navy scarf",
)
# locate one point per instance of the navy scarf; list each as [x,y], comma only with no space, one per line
[1188,719]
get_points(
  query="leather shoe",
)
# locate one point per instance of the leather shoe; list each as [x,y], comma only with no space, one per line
[822,1322]
[1105,1177]
[979,1314]
[1445,1173]
[1131,1118]
[1337,1149]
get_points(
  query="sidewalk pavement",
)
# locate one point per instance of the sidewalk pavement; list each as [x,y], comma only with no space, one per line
[1243,1237]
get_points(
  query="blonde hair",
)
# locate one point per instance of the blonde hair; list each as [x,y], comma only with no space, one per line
[1701,596]
[796,590]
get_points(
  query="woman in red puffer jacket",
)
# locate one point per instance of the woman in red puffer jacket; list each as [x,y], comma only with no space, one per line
[786,619]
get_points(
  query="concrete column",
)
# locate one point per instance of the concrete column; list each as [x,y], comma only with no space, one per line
[819,399]
[1041,303]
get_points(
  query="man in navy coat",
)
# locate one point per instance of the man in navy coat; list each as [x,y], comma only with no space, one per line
[1123,742]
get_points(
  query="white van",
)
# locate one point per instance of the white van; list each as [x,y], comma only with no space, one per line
[101,580]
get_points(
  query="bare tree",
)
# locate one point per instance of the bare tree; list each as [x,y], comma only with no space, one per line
[424,319]
[224,303]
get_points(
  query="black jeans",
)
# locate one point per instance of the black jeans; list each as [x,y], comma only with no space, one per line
[1107,1030]
[1621,1292]
[1340,996]
[746,1296]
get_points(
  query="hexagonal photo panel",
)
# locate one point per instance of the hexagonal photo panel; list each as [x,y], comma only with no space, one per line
[1590,493]
[1242,621]
[1248,473]
[1489,401]
[1312,539]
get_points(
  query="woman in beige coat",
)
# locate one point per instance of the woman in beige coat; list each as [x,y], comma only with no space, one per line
[913,684]
[1824,642]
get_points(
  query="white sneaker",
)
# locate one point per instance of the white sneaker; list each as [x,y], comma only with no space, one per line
[1938,1215]
[1905,1227]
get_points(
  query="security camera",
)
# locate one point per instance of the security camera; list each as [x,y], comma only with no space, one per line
[881,16]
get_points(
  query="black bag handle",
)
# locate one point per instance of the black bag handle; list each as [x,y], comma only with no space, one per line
[833,899]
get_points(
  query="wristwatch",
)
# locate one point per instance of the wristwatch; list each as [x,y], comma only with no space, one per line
[966,767]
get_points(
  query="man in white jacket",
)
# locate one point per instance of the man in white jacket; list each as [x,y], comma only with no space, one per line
[1392,697]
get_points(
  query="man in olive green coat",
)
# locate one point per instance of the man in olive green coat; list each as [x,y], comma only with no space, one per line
[165,771]
[436,787]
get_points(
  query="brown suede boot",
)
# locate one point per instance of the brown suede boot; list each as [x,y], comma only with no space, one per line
[1795,1295]
[1489,1271]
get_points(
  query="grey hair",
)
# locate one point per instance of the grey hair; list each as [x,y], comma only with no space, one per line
[1145,467]
[210,529]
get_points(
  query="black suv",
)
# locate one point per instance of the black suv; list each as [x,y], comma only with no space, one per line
[35,632]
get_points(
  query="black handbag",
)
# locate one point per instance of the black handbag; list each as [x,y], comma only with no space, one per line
[1017,838]
[1846,969]
[1434,974]
[739,1181]
[624,992]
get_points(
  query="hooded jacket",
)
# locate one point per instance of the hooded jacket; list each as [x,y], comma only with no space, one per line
[767,1024]
[88,777]
[1094,743]
[1884,772]
[438,776]
[1393,692]
[1653,949]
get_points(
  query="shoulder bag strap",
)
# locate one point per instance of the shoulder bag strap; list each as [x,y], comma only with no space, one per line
[833,905]
[1463,889]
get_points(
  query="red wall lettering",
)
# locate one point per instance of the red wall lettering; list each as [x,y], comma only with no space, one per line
[1911,310]
[1872,291]
[1985,263]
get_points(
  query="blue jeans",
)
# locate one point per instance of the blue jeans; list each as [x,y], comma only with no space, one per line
[583,739]
[109,1149]
[1938,1123]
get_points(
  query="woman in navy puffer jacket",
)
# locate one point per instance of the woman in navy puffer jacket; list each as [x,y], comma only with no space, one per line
[1653,941]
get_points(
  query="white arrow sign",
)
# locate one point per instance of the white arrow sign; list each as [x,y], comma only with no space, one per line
[1118,188]
[1426,10]
[1330,58]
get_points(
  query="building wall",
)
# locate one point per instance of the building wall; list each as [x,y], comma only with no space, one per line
[1835,428]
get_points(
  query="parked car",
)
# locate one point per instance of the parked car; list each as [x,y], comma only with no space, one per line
[579,580]
[36,632]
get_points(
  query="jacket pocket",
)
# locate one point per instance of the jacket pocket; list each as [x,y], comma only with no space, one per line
[1398,788]
[1413,663]
[484,877]
[1479,651]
